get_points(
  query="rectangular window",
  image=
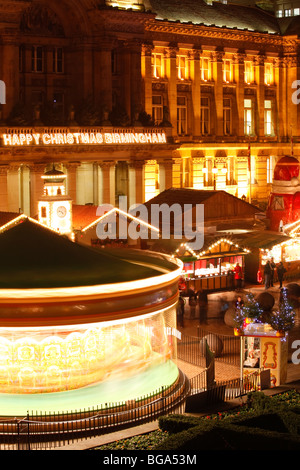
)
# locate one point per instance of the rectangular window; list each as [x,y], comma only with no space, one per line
[227,70]
[37,59]
[181,115]
[205,116]
[205,69]
[249,72]
[43,212]
[288,12]
[227,116]
[181,64]
[57,61]
[207,172]
[268,118]
[230,176]
[157,109]
[248,117]
[269,77]
[157,65]
[296,11]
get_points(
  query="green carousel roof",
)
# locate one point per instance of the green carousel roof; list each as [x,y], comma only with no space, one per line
[33,256]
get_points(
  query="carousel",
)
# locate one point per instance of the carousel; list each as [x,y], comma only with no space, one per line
[80,326]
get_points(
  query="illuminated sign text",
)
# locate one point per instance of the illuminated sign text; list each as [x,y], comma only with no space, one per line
[86,138]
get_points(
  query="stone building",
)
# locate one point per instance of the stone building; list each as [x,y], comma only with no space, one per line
[135,97]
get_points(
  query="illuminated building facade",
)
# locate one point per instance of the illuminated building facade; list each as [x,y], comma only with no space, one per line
[132,98]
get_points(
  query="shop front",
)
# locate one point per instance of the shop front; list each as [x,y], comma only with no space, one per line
[213,268]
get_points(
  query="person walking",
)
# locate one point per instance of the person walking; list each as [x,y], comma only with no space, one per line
[238,276]
[280,273]
[273,267]
[193,303]
[267,274]
[180,311]
[203,304]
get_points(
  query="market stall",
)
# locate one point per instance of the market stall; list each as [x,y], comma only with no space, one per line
[212,268]
[264,348]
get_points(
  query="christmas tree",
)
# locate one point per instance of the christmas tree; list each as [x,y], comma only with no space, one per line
[251,308]
[283,319]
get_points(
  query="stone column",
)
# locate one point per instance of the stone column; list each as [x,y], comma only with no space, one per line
[36,187]
[293,111]
[280,113]
[218,91]
[3,188]
[165,174]
[260,93]
[196,92]
[147,77]
[136,78]
[171,73]
[108,182]
[240,92]
[71,188]
[138,166]
[103,75]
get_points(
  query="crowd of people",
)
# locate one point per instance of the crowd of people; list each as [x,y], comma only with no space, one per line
[192,298]
[269,273]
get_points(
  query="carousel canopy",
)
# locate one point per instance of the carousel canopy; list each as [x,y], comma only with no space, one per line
[33,256]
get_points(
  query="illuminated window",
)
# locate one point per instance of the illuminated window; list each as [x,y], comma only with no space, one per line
[268,118]
[249,73]
[248,117]
[181,64]
[37,59]
[227,116]
[186,173]
[230,177]
[207,172]
[157,109]
[227,70]
[296,11]
[288,12]
[205,116]
[57,61]
[157,65]
[269,74]
[205,68]
[181,115]
[279,13]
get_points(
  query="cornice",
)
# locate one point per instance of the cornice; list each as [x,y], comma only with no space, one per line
[222,33]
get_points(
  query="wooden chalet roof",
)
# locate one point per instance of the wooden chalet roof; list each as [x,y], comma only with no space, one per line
[6,217]
[218,205]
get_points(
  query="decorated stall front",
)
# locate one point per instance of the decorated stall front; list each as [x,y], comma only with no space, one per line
[213,267]
[264,341]
[264,348]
